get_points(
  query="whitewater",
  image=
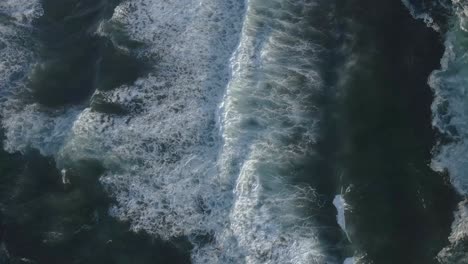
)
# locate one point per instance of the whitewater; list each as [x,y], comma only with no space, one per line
[450,113]
[210,119]
[211,134]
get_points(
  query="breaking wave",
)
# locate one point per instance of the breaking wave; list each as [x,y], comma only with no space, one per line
[209,141]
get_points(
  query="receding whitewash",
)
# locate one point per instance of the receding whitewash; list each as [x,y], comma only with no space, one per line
[26,125]
[167,147]
[161,158]
[34,127]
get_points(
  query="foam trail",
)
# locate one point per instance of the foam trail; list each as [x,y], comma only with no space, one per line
[340,205]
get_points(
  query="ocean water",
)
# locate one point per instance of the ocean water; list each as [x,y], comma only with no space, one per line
[232,131]
[449,114]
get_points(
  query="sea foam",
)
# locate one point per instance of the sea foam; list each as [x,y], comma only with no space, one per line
[27,124]
[211,139]
[270,126]
[450,115]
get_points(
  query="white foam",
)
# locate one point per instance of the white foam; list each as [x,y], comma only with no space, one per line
[169,172]
[456,251]
[450,115]
[31,126]
[450,109]
[340,204]
[162,159]
[178,165]
[460,225]
[461,10]
[269,123]
[14,54]
[26,125]
[21,11]
[424,16]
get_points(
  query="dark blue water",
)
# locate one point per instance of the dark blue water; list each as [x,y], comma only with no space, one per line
[401,209]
